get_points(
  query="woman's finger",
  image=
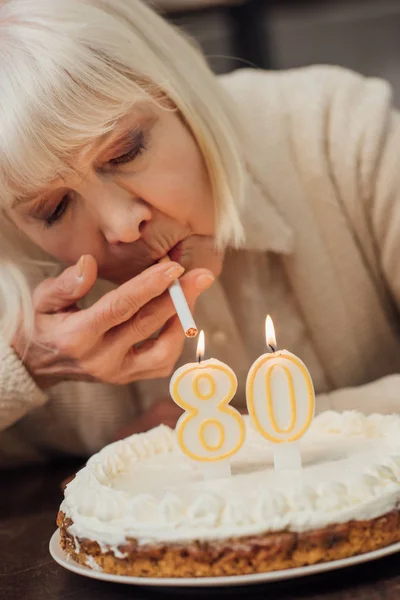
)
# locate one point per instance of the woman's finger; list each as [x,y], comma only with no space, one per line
[153,316]
[156,358]
[58,293]
[119,305]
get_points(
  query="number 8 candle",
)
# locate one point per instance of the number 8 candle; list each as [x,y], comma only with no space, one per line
[280,400]
[210,431]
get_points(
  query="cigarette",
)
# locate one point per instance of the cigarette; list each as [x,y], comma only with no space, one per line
[182,307]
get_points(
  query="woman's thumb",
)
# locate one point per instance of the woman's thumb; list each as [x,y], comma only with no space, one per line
[59,293]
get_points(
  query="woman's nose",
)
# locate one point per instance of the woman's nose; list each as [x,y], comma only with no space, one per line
[124,220]
[120,215]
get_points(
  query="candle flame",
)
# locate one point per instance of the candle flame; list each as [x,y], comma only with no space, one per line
[200,347]
[270,332]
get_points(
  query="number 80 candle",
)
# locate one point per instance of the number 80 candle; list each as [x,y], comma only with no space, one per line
[210,431]
[280,400]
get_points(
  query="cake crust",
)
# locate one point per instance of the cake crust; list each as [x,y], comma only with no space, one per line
[235,556]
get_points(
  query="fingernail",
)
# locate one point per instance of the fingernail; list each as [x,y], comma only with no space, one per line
[81,267]
[174,272]
[203,282]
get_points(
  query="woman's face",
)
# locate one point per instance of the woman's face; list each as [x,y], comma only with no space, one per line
[137,194]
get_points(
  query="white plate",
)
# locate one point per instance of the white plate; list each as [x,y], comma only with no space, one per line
[65,561]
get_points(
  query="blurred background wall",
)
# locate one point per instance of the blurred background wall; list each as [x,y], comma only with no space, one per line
[363,35]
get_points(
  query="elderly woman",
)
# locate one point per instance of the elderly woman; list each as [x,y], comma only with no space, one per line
[118,146]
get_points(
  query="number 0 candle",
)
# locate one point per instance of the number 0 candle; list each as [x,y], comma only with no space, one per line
[210,431]
[280,400]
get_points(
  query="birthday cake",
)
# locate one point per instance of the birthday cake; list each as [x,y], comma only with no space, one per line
[140,507]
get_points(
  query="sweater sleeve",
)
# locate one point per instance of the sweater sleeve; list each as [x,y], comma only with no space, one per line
[363,133]
[19,394]
[384,208]
[363,130]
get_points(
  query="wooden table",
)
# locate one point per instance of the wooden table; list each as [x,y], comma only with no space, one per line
[29,501]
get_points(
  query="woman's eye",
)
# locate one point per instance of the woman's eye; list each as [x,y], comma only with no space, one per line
[138,147]
[58,213]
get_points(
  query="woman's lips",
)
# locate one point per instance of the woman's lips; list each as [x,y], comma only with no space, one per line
[176,252]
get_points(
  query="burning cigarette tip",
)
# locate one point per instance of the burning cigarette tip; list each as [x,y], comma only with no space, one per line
[191,332]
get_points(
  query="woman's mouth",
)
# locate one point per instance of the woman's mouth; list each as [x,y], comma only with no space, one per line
[176,252]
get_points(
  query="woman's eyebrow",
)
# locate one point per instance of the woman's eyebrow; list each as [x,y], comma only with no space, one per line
[38,201]
[38,196]
[25,199]
[125,139]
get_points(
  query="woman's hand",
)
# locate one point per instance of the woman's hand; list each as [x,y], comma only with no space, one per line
[100,343]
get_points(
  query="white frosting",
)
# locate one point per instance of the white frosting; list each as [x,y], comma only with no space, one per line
[77,545]
[145,488]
